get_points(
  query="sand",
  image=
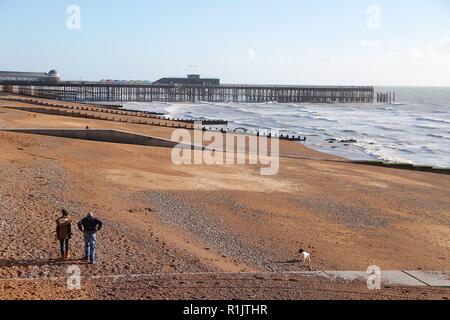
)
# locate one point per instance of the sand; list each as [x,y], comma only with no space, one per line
[187,230]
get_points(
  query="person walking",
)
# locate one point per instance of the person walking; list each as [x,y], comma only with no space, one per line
[90,225]
[64,233]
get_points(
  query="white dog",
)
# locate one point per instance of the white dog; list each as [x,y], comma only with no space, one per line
[305,256]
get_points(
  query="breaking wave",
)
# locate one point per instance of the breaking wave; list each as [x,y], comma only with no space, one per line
[409,131]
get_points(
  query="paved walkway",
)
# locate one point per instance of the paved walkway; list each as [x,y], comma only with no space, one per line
[393,277]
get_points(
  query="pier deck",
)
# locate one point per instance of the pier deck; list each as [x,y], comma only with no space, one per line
[97,91]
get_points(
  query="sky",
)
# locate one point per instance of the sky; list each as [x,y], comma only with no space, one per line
[327,42]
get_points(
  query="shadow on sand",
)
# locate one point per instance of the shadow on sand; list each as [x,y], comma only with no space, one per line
[290,261]
[8,263]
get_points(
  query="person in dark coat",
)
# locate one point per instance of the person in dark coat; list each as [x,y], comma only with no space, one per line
[64,233]
[90,225]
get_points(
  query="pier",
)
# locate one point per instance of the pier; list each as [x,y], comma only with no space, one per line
[387,97]
[107,92]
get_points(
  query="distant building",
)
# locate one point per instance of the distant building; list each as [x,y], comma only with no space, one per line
[51,77]
[192,79]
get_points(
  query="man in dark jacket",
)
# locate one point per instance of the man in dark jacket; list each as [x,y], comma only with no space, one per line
[64,233]
[89,226]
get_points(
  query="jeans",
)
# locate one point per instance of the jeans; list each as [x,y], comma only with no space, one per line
[65,245]
[90,240]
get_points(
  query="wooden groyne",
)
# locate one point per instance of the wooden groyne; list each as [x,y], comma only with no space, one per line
[103,92]
[403,166]
[106,109]
[136,117]
[176,125]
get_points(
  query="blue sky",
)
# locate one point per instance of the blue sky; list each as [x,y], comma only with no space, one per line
[241,41]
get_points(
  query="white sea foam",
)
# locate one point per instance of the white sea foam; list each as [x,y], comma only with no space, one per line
[415,130]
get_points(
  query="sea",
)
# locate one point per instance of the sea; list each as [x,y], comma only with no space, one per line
[415,129]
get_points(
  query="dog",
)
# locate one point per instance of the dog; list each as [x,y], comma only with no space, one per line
[306,256]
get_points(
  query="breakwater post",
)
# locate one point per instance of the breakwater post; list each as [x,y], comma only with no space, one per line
[386,97]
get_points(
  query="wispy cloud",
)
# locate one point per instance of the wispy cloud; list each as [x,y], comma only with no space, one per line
[370,44]
[442,47]
[251,53]
[376,63]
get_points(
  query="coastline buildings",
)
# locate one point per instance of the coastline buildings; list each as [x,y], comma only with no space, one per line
[15,76]
[192,79]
